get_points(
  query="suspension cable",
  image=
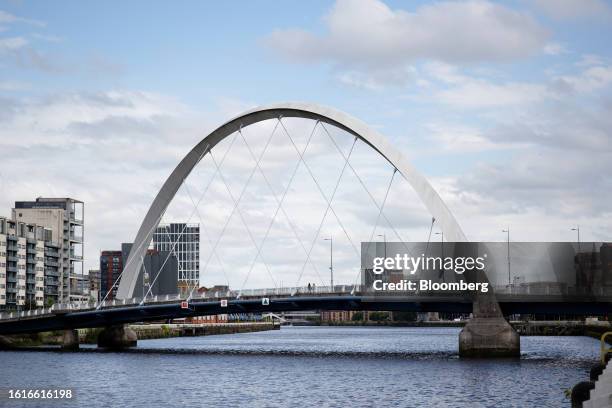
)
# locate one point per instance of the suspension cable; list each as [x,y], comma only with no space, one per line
[363,184]
[279,207]
[380,211]
[208,238]
[191,215]
[321,190]
[237,202]
[155,224]
[316,236]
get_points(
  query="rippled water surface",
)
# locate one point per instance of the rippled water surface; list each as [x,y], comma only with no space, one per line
[308,366]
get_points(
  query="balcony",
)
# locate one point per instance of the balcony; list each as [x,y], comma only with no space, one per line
[51,272]
[76,257]
[73,218]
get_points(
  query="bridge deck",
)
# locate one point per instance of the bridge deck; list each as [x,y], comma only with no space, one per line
[122,314]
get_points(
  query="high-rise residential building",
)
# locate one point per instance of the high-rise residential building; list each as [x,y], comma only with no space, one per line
[64,217]
[111,266]
[183,241]
[52,271]
[22,265]
[157,276]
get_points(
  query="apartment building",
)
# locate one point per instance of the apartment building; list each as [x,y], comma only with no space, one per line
[64,217]
[183,241]
[22,265]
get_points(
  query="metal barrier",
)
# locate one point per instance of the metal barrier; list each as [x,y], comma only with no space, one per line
[115,303]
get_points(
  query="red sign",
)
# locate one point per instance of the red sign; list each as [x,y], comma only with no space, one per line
[184,304]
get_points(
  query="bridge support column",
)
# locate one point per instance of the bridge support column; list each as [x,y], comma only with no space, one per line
[488,334]
[70,340]
[117,337]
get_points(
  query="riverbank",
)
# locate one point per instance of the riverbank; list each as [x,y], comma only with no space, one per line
[143,331]
[592,329]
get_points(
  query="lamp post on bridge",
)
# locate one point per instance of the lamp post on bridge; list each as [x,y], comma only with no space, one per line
[331,260]
[577,229]
[507,231]
[441,233]
[384,237]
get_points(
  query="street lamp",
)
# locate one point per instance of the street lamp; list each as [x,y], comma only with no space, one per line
[384,237]
[577,229]
[442,270]
[331,259]
[507,231]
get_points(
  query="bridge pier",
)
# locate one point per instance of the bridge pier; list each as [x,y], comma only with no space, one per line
[488,334]
[117,337]
[70,340]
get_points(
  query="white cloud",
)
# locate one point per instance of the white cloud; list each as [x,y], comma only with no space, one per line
[476,93]
[7,18]
[12,43]
[460,90]
[378,79]
[464,91]
[370,34]
[459,139]
[554,49]
[591,79]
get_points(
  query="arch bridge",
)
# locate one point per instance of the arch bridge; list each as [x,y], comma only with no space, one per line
[486,334]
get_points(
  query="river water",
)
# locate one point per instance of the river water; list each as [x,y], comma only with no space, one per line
[306,366]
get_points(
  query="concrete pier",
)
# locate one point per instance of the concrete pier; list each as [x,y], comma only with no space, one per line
[487,334]
[489,337]
[117,337]
[70,340]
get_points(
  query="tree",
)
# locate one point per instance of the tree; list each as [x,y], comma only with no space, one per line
[379,316]
[404,316]
[357,317]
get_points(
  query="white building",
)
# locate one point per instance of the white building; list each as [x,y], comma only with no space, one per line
[183,241]
[65,218]
[22,265]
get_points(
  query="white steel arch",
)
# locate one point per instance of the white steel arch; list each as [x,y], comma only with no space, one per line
[355,127]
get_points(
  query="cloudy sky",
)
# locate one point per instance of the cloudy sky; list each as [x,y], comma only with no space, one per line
[506,107]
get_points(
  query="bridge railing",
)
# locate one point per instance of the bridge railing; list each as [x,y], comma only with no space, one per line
[538,292]
[209,295]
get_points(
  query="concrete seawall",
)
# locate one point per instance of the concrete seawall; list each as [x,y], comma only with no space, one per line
[143,331]
[161,331]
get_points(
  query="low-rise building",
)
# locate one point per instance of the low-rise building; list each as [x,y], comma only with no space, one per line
[337,315]
[94,284]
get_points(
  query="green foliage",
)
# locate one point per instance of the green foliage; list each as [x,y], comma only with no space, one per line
[379,316]
[357,317]
[404,316]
